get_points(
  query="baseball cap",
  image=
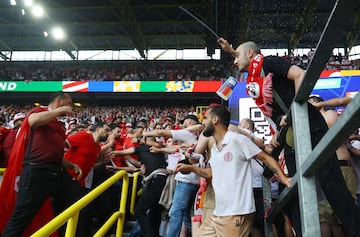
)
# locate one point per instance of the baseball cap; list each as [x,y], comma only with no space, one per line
[19,116]
[193,117]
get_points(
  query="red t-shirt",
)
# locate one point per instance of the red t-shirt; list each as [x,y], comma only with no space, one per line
[119,161]
[7,146]
[128,143]
[47,143]
[3,134]
[84,152]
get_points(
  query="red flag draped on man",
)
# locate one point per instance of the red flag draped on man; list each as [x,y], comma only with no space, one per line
[10,184]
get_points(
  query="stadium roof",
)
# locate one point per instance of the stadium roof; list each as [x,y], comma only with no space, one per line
[162,24]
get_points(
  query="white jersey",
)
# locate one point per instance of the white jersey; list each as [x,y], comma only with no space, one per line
[183,136]
[232,175]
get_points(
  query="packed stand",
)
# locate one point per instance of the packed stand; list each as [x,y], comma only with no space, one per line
[131,138]
[113,70]
[336,62]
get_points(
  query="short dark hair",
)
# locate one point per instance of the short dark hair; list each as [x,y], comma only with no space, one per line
[316,98]
[58,94]
[113,126]
[222,112]
[97,125]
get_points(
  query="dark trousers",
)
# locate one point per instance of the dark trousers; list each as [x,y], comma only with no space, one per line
[148,209]
[331,182]
[36,185]
[259,206]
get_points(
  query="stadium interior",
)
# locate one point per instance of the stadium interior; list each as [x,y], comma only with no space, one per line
[162,25]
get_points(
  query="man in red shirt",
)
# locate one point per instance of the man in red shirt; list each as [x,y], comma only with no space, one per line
[85,150]
[37,156]
[118,145]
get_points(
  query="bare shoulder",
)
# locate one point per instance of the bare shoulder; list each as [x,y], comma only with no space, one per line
[330,117]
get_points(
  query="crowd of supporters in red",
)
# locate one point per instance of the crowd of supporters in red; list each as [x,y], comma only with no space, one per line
[114,114]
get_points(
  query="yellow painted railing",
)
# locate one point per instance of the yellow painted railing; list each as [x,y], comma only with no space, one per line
[134,193]
[2,171]
[71,214]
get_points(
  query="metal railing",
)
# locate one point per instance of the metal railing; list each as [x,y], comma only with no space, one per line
[309,160]
[71,214]
[134,193]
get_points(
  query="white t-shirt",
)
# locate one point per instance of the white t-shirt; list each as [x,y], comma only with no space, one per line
[257,173]
[232,175]
[173,160]
[183,136]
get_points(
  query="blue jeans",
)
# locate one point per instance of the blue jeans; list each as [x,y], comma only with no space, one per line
[183,200]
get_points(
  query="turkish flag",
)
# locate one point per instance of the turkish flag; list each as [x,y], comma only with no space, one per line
[10,184]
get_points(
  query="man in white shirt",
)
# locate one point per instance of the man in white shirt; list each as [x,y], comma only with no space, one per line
[231,176]
[187,183]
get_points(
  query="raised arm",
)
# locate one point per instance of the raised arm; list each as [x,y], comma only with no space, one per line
[158,133]
[226,47]
[166,149]
[44,117]
[124,152]
[203,172]
[334,102]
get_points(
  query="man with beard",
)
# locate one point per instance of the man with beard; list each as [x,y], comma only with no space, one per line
[85,150]
[230,170]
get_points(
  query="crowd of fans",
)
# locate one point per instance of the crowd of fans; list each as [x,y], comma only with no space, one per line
[112,115]
[144,70]
[113,70]
[335,62]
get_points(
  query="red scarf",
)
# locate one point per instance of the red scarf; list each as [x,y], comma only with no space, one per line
[260,88]
[10,184]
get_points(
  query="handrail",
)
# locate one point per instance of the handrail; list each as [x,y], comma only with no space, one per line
[134,193]
[72,213]
[2,171]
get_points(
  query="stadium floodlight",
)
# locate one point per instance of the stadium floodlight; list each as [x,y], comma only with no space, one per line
[46,34]
[28,3]
[23,12]
[13,2]
[58,33]
[37,11]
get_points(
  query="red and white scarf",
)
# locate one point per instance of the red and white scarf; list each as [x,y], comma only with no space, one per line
[259,88]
